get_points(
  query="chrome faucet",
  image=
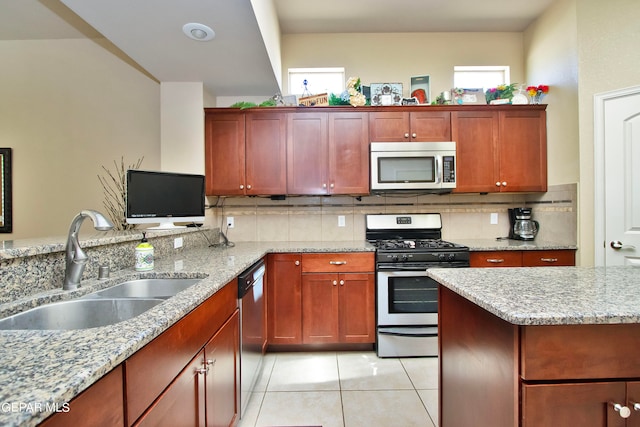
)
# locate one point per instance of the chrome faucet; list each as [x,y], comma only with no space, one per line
[76,258]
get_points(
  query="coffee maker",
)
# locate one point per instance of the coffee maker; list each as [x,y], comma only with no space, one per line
[521,226]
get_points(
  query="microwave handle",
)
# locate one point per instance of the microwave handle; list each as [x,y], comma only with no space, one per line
[438,167]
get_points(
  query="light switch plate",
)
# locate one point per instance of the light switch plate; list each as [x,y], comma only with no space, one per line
[230,222]
[177,242]
[494,218]
[341,221]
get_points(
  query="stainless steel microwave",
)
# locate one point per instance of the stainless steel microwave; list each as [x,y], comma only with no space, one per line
[413,166]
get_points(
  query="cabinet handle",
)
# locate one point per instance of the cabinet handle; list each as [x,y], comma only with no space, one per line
[335,282]
[324,185]
[636,406]
[249,187]
[211,362]
[337,262]
[241,187]
[504,183]
[414,135]
[622,410]
[498,184]
[332,185]
[341,282]
[549,259]
[202,371]
[495,260]
[406,135]
[297,262]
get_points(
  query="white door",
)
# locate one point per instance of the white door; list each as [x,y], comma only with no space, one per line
[617,177]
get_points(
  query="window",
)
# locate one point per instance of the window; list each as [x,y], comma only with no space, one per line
[319,80]
[486,77]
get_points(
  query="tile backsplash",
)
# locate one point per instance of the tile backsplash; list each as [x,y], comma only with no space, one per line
[464,216]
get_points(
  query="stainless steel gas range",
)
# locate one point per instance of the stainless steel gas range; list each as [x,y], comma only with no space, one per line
[406,299]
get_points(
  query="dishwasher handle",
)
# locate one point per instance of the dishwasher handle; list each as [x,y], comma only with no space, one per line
[247,278]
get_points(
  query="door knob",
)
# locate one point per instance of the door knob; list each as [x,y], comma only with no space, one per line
[617,244]
[622,410]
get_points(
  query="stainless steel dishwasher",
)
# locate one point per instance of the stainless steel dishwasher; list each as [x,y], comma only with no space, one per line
[253,336]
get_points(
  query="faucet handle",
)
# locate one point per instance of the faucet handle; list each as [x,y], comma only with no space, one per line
[103,272]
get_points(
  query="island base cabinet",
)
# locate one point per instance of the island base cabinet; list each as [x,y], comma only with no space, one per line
[571,405]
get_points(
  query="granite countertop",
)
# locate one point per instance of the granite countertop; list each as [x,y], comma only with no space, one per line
[41,369]
[513,245]
[549,295]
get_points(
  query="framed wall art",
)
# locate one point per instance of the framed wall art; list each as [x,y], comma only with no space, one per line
[386,93]
[421,89]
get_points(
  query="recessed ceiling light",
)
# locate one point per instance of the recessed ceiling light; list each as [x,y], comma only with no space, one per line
[198,32]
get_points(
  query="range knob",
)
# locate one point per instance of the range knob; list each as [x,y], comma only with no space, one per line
[405,258]
[394,258]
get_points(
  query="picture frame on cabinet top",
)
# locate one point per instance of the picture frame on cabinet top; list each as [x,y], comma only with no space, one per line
[421,89]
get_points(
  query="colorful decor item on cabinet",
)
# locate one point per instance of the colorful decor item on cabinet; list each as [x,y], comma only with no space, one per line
[501,94]
[420,89]
[536,93]
[386,93]
[352,95]
[468,96]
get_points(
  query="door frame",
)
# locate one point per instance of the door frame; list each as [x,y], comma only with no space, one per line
[599,209]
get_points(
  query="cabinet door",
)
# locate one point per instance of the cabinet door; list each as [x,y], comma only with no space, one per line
[570,405]
[548,258]
[476,137]
[430,126]
[221,355]
[183,402]
[224,154]
[495,259]
[266,155]
[523,150]
[284,299]
[320,308]
[357,307]
[348,153]
[389,126]
[633,398]
[307,153]
[101,405]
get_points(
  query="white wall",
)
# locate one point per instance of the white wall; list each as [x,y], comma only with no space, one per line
[395,58]
[67,108]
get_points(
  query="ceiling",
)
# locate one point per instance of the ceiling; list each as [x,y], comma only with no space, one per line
[235,62]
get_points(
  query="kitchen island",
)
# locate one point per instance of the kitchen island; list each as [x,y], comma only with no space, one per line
[539,347]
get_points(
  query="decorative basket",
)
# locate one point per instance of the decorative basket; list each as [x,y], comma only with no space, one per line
[315,100]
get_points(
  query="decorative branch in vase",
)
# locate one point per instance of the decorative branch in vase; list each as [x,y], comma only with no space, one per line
[114,187]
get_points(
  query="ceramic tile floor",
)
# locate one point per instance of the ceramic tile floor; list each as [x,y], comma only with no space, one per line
[344,389]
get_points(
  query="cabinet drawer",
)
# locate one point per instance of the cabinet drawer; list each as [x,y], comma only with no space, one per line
[495,259]
[548,258]
[150,370]
[577,352]
[338,262]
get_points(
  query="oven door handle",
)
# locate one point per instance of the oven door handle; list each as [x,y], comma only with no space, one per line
[410,332]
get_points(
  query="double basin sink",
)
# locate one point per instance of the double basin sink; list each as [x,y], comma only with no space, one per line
[106,307]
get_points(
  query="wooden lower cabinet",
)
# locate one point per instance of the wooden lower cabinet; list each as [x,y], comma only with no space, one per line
[529,258]
[101,405]
[175,359]
[494,373]
[284,299]
[321,298]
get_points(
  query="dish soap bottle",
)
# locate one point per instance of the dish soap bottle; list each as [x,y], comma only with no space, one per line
[144,255]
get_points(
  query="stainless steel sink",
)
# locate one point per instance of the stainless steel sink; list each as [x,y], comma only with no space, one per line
[146,288]
[79,314]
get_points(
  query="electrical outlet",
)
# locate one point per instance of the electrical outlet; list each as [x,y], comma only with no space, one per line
[494,219]
[230,222]
[177,242]
[341,221]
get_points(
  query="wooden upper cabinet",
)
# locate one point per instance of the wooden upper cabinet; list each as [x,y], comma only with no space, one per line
[245,154]
[418,126]
[224,153]
[523,150]
[307,156]
[476,136]
[266,154]
[348,153]
[327,153]
[500,151]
